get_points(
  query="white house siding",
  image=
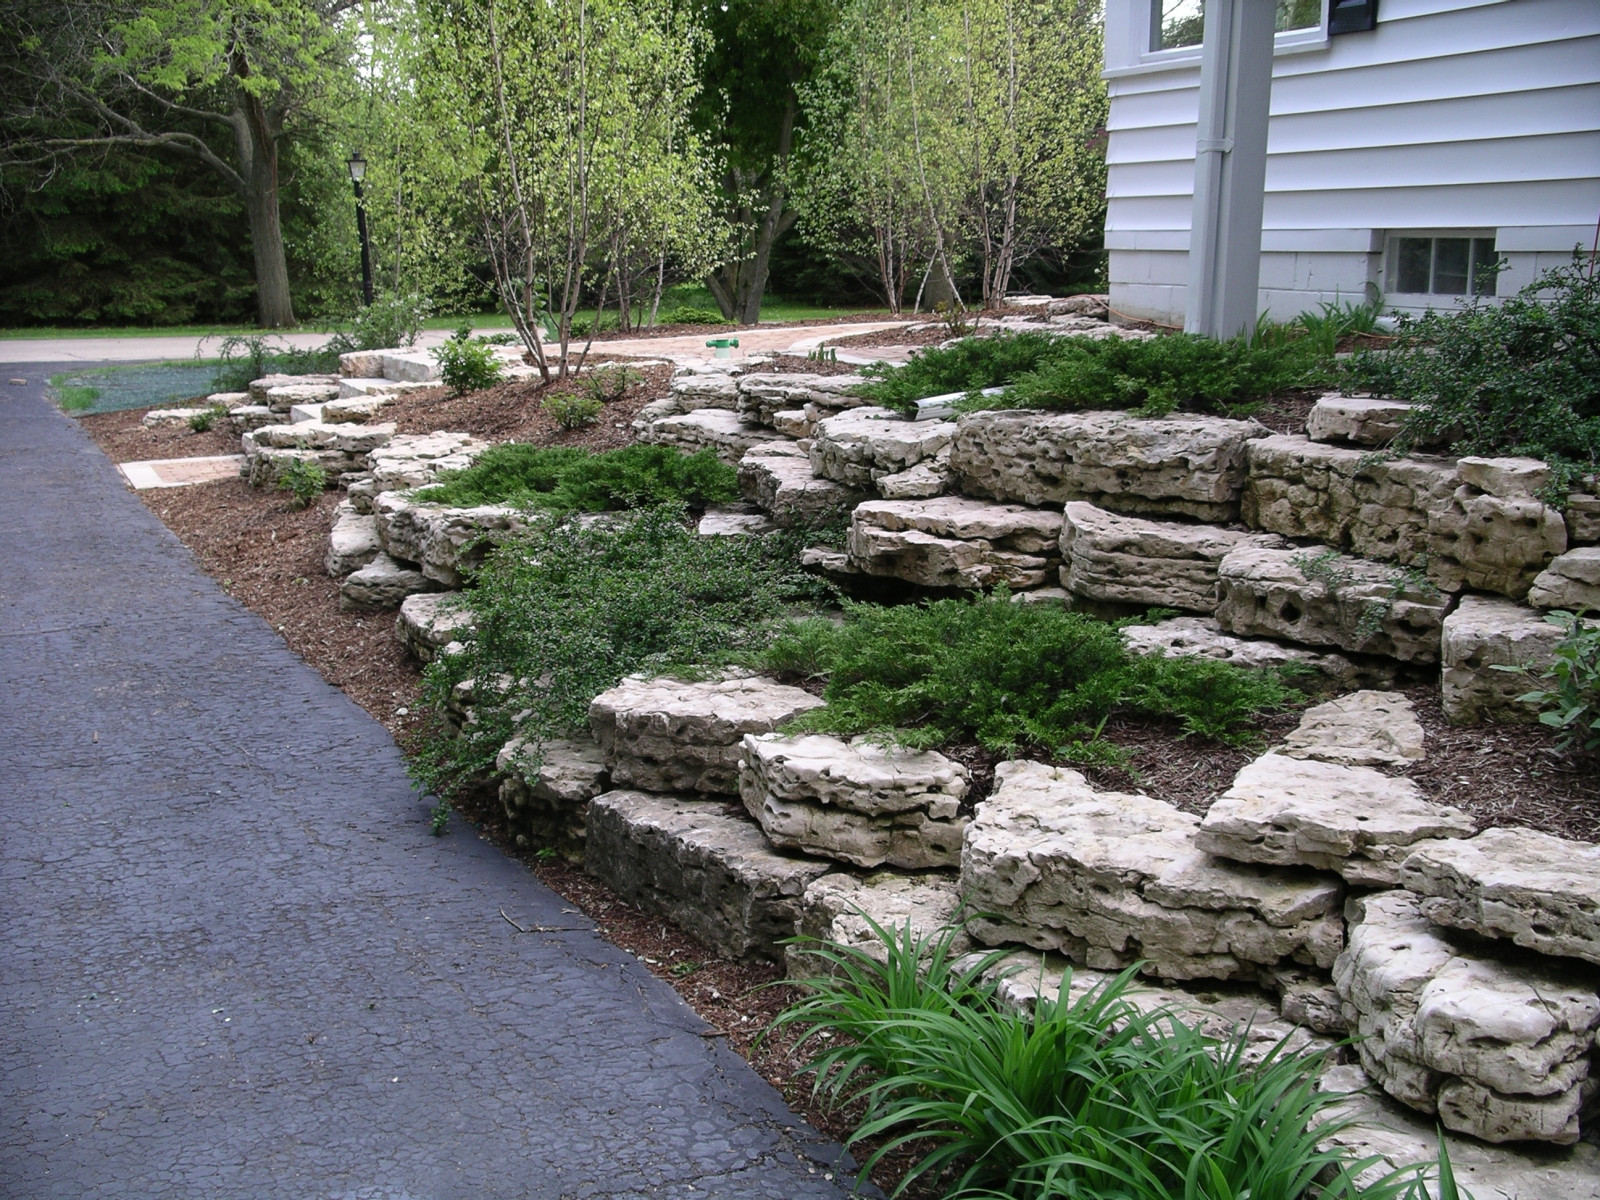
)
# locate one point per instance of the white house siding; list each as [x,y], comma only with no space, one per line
[1473,116]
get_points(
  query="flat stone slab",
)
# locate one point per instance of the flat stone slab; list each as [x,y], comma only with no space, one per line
[1321,598]
[319,435]
[783,486]
[163,418]
[716,429]
[861,446]
[352,542]
[382,583]
[1497,1049]
[734,520]
[545,791]
[413,460]
[446,543]
[1528,887]
[1352,820]
[1362,729]
[428,622]
[1358,420]
[314,387]
[1179,465]
[1571,581]
[762,395]
[668,735]
[855,801]
[955,542]
[1482,633]
[1110,878]
[1202,637]
[842,908]
[710,873]
[180,472]
[1120,559]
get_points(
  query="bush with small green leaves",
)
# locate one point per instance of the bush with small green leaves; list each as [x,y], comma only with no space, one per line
[303,478]
[570,479]
[572,412]
[688,314]
[467,364]
[1572,703]
[203,420]
[389,321]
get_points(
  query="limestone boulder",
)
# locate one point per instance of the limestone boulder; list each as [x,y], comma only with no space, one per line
[429,622]
[1322,598]
[356,410]
[1202,637]
[1120,559]
[228,400]
[545,790]
[353,440]
[382,583]
[352,542]
[1111,878]
[413,460]
[861,803]
[258,389]
[1357,420]
[794,422]
[1362,729]
[1498,1049]
[266,466]
[719,430]
[1571,581]
[1583,513]
[1180,465]
[694,391]
[762,395]
[1521,885]
[246,417]
[1354,821]
[446,543]
[1494,543]
[782,485]
[842,908]
[170,418]
[859,447]
[286,396]
[955,542]
[1485,633]
[711,873]
[734,520]
[669,735]
[930,477]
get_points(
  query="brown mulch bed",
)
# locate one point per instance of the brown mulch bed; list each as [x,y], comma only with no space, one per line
[711,331]
[1286,413]
[125,439]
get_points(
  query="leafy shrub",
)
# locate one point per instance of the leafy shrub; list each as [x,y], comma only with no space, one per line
[568,479]
[572,412]
[242,359]
[582,327]
[567,609]
[207,417]
[1006,675]
[1572,705]
[466,363]
[1518,377]
[388,322]
[1079,1099]
[688,314]
[304,479]
[609,384]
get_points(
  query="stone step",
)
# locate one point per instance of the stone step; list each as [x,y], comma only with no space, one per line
[353,541]
[1356,420]
[716,429]
[777,478]
[430,622]
[1363,729]
[842,908]
[862,446]
[955,542]
[1483,633]
[545,790]
[305,412]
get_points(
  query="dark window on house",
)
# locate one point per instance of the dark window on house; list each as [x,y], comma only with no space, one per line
[1442,266]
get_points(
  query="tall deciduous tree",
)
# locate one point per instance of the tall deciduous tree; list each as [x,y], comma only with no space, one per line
[221,82]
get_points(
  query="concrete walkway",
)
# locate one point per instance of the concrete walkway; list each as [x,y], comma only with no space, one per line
[233,961]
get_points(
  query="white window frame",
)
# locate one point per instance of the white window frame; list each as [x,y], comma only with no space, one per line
[1146,22]
[1389,270]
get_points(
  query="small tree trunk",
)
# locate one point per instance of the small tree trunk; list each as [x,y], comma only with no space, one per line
[253,130]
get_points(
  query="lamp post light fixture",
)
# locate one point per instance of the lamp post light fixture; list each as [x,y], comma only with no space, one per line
[358,171]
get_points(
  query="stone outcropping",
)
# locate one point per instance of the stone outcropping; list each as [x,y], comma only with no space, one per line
[545,791]
[777,478]
[668,735]
[430,622]
[1363,729]
[1571,581]
[1180,465]
[1202,637]
[1111,878]
[1114,558]
[712,874]
[352,542]
[382,583]
[762,395]
[841,908]
[1528,887]
[859,447]
[340,450]
[1354,821]
[1485,632]
[1496,1049]
[857,802]
[445,543]
[955,542]
[1321,598]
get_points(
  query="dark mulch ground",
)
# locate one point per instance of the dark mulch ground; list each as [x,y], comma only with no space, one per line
[1286,413]
[124,439]
[656,331]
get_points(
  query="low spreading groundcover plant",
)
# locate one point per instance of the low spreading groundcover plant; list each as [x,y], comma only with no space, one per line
[1007,675]
[571,479]
[1079,1099]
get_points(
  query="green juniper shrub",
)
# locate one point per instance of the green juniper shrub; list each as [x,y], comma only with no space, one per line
[572,412]
[570,479]
[1006,675]
[970,365]
[568,608]
[466,363]
[1518,377]
[305,479]
[1083,1097]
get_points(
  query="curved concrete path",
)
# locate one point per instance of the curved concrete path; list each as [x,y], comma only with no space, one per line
[233,962]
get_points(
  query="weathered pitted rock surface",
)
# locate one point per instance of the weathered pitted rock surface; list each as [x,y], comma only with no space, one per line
[1349,603]
[1529,887]
[1110,878]
[713,874]
[709,389]
[1496,543]
[1202,637]
[340,450]
[430,621]
[930,477]
[1482,633]
[1184,466]
[861,803]
[838,907]
[859,447]
[734,520]
[1363,729]
[1583,513]
[352,542]
[1359,420]
[954,541]
[445,542]
[668,735]
[355,410]
[286,396]
[1571,581]
[763,395]
[382,583]
[259,389]
[253,416]
[413,460]
[1128,560]
[1354,821]
[720,430]
[1499,1050]
[545,791]
[782,485]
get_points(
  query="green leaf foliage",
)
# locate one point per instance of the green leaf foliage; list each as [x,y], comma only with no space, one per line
[570,479]
[1006,675]
[466,363]
[564,611]
[1083,1097]
[1571,704]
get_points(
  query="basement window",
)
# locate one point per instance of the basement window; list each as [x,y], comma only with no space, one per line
[1181,23]
[1441,265]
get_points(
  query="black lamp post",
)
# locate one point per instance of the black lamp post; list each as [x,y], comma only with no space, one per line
[358,170]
